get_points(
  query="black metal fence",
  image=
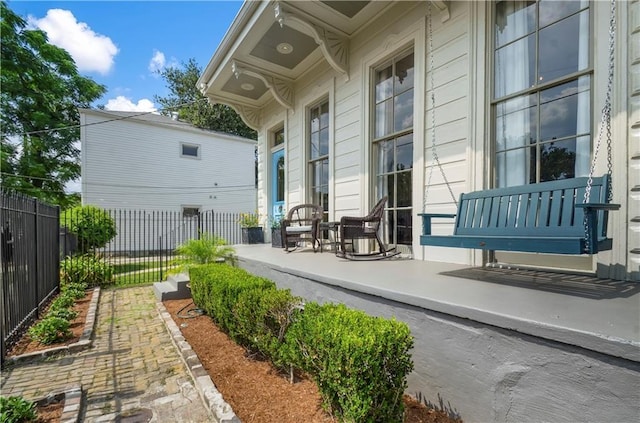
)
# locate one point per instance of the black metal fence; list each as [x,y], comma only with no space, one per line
[35,239]
[30,270]
[144,247]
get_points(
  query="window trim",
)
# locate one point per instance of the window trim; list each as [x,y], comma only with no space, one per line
[538,88]
[310,162]
[192,145]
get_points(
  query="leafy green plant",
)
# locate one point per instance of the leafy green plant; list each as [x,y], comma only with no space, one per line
[208,248]
[249,220]
[360,363]
[62,301]
[262,318]
[275,222]
[16,409]
[50,330]
[86,269]
[63,313]
[93,226]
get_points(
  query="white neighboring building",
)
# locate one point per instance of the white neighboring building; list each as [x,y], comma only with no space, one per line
[150,162]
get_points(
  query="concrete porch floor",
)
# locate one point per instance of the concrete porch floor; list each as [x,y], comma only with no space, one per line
[599,315]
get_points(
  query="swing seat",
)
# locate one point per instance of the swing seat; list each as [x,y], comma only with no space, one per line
[548,217]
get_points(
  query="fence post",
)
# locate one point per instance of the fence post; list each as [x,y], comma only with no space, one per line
[35,258]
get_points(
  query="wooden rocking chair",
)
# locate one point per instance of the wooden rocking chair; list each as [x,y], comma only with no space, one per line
[367,227]
[302,224]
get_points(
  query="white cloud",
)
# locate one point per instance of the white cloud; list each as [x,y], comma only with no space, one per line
[124,104]
[157,62]
[92,52]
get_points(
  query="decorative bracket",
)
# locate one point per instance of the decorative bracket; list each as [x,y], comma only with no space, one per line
[281,89]
[335,47]
[252,116]
[443,7]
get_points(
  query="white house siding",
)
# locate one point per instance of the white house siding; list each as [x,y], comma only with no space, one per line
[632,128]
[134,168]
[132,164]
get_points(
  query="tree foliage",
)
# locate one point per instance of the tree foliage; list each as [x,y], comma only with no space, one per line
[193,107]
[41,93]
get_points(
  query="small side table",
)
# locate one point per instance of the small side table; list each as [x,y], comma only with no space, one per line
[333,232]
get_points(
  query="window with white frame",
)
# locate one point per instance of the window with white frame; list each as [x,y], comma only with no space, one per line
[393,144]
[190,211]
[190,150]
[319,156]
[542,77]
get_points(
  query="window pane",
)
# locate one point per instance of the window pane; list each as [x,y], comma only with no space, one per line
[324,142]
[564,47]
[404,152]
[384,84]
[324,115]
[325,175]
[514,167]
[515,67]
[404,225]
[404,189]
[404,74]
[280,181]
[552,11]
[516,122]
[403,111]
[279,137]
[386,187]
[384,116]
[385,157]
[315,120]
[564,111]
[514,19]
[558,160]
[190,150]
[315,145]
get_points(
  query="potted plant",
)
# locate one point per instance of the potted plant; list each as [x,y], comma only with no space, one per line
[276,231]
[251,229]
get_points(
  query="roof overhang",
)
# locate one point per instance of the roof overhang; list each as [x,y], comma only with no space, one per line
[271,44]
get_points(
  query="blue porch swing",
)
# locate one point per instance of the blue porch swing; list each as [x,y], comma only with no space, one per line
[544,217]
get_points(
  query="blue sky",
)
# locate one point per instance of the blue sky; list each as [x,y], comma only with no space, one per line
[122,44]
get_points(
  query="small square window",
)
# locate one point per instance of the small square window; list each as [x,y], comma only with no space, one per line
[190,150]
[190,211]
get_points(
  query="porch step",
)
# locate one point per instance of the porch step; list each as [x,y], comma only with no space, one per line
[174,288]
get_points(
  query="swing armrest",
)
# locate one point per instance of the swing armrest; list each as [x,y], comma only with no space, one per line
[426,220]
[598,206]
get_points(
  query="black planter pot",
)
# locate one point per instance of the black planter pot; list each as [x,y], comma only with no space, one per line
[252,235]
[276,238]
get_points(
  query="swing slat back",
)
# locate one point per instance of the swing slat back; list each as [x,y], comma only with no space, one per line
[543,217]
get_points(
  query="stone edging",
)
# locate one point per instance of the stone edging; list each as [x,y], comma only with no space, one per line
[72,398]
[83,343]
[219,408]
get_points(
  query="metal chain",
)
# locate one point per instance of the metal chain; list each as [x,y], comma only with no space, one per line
[605,123]
[434,153]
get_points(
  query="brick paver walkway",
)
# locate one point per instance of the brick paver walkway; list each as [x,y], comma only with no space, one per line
[133,370]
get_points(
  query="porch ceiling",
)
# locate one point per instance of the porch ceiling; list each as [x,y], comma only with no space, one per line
[270,45]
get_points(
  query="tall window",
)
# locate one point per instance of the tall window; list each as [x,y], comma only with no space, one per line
[393,144]
[319,155]
[542,91]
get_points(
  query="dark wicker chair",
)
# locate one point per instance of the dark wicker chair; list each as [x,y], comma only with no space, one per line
[367,227]
[302,224]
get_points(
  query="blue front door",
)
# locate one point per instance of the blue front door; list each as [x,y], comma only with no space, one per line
[277,184]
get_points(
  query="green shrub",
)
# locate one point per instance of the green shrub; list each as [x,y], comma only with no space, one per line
[17,410]
[63,313]
[62,301]
[207,249]
[50,330]
[360,363]
[93,226]
[262,318]
[215,289]
[86,270]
